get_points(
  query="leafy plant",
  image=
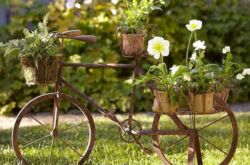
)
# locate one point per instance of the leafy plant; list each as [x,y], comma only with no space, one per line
[160,76]
[36,44]
[135,17]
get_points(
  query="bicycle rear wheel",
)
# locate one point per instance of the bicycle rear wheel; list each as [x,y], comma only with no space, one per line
[213,140]
[37,144]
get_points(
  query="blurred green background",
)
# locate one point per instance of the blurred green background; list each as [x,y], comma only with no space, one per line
[225,22]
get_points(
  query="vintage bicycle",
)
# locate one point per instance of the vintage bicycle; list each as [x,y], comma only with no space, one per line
[185,132]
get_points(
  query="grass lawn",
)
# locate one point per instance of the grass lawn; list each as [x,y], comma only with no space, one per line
[109,150]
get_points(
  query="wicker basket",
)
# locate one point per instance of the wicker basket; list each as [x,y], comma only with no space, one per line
[223,96]
[44,73]
[201,103]
[162,103]
[132,44]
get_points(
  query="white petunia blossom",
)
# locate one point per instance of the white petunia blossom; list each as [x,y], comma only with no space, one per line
[174,69]
[199,45]
[226,50]
[115,1]
[240,76]
[186,77]
[246,72]
[158,46]
[193,57]
[194,25]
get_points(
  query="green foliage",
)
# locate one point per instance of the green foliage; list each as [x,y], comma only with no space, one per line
[36,44]
[226,24]
[134,17]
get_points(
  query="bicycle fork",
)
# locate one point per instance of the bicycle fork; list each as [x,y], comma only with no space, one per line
[56,105]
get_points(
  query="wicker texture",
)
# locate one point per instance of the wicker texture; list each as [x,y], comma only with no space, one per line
[133,44]
[44,73]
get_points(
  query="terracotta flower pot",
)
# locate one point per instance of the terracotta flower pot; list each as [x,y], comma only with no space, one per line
[162,103]
[132,44]
[44,73]
[201,103]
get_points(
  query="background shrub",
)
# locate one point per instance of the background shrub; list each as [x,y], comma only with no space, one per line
[225,22]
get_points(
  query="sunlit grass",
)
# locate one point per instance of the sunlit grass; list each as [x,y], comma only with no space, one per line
[109,150]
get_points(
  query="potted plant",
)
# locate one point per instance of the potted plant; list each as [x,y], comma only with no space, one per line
[39,53]
[200,88]
[208,80]
[132,25]
[166,83]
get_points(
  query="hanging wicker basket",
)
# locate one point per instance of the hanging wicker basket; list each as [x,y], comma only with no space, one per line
[45,72]
[162,103]
[132,45]
[201,103]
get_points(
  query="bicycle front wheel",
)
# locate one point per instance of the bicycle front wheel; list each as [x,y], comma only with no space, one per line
[38,145]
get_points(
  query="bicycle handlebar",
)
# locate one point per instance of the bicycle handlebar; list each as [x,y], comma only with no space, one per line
[76,35]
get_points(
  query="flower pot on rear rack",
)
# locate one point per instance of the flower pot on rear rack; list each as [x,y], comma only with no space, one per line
[132,45]
[162,103]
[222,99]
[201,103]
[41,72]
[223,95]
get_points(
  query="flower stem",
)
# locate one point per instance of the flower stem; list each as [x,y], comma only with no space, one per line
[161,58]
[189,41]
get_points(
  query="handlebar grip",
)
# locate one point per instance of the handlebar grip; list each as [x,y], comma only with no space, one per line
[85,38]
[71,33]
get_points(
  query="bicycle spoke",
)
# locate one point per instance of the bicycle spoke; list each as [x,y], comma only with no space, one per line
[67,144]
[41,124]
[213,145]
[177,141]
[35,141]
[213,122]
[51,151]
[84,122]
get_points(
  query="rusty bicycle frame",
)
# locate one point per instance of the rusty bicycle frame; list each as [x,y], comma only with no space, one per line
[182,129]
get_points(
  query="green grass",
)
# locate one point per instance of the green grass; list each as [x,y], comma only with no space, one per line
[109,150]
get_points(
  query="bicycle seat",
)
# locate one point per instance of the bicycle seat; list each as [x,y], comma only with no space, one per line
[76,35]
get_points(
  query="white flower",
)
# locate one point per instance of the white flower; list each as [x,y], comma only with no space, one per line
[194,25]
[113,11]
[226,50]
[115,1]
[199,45]
[87,2]
[70,4]
[158,46]
[194,56]
[246,72]
[78,5]
[186,77]
[174,69]
[239,76]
